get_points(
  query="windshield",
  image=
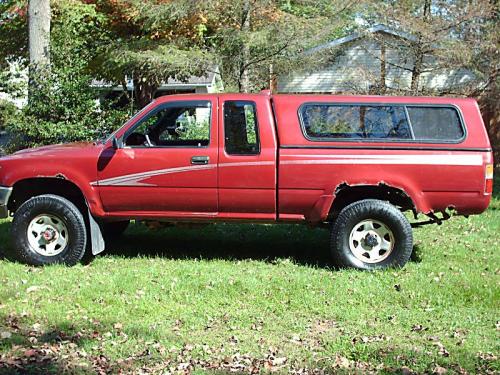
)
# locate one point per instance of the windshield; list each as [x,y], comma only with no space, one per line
[107,138]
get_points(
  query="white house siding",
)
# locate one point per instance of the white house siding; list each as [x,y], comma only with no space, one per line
[357,68]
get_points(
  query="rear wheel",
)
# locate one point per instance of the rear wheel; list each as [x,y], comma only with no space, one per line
[371,234]
[48,229]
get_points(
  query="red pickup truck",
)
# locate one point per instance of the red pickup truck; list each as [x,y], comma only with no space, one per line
[354,163]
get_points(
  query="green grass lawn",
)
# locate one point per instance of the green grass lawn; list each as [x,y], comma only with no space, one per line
[254,298]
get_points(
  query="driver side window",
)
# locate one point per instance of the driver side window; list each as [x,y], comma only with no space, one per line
[181,124]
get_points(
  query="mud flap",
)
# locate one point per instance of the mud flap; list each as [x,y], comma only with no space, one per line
[97,241]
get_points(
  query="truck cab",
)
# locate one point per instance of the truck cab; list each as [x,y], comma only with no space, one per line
[201,157]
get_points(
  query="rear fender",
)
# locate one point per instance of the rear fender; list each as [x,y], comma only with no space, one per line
[329,205]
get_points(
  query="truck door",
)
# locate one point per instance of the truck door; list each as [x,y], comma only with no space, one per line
[247,158]
[168,163]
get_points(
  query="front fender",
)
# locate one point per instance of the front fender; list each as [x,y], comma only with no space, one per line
[79,168]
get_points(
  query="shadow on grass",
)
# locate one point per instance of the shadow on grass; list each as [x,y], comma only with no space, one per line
[61,350]
[54,351]
[217,241]
[227,241]
[306,246]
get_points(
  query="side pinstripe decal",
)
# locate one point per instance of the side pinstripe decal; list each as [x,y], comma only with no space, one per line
[136,178]
[465,160]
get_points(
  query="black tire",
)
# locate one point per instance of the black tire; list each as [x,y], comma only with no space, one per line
[61,208]
[380,212]
[114,229]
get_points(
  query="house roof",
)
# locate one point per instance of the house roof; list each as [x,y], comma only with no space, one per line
[358,35]
[208,79]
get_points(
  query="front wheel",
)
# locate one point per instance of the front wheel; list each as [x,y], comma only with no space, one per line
[48,229]
[371,234]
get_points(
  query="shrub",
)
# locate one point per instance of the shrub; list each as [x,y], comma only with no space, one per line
[62,105]
[7,110]
[61,109]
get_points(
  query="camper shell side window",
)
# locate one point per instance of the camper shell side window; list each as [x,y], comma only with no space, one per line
[381,122]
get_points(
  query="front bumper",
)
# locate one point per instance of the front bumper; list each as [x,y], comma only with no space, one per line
[5,193]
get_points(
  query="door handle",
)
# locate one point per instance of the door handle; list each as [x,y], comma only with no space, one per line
[200,160]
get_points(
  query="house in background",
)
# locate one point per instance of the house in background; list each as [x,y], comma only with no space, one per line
[374,61]
[209,83]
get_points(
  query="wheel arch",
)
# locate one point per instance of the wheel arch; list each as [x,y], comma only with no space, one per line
[31,187]
[28,188]
[346,194]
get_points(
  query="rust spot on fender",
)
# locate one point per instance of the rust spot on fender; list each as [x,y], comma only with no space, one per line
[59,175]
[341,187]
[392,189]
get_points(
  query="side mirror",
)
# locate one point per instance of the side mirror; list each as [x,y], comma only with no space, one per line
[117,143]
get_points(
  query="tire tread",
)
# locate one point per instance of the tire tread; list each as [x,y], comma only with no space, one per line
[20,250]
[342,256]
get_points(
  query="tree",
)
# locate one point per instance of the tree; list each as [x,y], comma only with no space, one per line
[63,107]
[442,35]
[250,36]
[149,43]
[247,37]
[448,35]
[13,31]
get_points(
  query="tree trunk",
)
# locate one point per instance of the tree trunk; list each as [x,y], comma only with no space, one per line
[39,36]
[39,44]
[244,79]
[419,53]
[382,69]
[143,92]
[417,69]
[273,83]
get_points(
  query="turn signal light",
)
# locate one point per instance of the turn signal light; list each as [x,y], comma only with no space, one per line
[488,179]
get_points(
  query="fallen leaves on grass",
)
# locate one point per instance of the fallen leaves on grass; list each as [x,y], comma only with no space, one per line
[257,326]
[439,370]
[488,357]
[418,328]
[488,363]
[369,339]
[63,354]
[442,350]
[323,326]
[32,289]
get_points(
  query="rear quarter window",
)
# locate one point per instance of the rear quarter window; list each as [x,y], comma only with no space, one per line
[435,123]
[332,121]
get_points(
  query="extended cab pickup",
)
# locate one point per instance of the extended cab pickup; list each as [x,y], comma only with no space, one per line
[354,163]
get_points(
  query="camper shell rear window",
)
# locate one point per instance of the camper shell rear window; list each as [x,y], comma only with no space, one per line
[381,122]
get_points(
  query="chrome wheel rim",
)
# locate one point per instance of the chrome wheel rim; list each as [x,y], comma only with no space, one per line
[47,235]
[371,241]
